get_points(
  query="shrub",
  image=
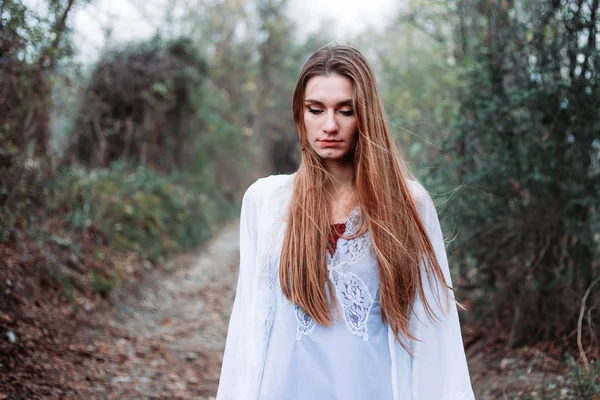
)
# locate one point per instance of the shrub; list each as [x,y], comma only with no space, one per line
[135,208]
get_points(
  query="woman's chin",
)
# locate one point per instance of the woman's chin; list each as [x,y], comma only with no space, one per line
[335,156]
[331,155]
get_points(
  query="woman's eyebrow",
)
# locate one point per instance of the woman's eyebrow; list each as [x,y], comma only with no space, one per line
[342,103]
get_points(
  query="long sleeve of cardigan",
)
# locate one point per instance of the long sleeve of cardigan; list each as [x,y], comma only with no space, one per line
[439,366]
[236,356]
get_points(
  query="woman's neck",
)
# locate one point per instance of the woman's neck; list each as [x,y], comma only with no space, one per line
[342,174]
[340,190]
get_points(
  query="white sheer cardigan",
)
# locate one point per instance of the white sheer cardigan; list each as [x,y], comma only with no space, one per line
[437,369]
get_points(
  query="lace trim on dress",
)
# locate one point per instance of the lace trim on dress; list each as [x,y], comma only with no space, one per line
[352,293]
[356,301]
[305,322]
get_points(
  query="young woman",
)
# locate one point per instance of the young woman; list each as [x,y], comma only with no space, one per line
[343,289]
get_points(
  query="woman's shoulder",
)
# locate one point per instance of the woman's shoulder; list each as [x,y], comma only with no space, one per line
[418,192]
[422,199]
[270,186]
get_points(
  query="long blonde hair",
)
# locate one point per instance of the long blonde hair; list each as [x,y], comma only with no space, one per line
[387,207]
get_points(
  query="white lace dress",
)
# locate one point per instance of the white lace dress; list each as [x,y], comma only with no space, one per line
[275,352]
[349,359]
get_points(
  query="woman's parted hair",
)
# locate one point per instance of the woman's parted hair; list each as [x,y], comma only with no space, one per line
[387,208]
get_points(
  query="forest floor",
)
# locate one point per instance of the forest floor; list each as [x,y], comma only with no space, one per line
[162,337]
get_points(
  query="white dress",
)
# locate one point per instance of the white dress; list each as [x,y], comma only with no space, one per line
[274,351]
[349,359]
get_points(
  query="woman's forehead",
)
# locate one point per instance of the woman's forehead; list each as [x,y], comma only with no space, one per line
[329,89]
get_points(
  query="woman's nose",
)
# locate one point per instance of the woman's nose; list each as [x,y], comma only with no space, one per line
[331,125]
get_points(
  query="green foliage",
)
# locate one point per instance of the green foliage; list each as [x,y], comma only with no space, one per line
[162,133]
[523,153]
[135,208]
[21,191]
[138,106]
[584,384]
[103,285]
[418,87]
[35,26]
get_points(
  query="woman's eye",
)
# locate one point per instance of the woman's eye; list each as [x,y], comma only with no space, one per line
[347,113]
[315,111]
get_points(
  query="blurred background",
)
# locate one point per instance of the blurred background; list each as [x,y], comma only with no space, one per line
[130,129]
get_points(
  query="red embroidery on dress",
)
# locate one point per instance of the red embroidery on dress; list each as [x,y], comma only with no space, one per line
[338,230]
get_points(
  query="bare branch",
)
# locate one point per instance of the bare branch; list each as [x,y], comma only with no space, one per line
[579,322]
[59,29]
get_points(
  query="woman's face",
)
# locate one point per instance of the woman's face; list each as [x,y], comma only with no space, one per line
[330,120]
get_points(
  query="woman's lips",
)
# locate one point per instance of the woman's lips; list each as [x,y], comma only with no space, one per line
[330,143]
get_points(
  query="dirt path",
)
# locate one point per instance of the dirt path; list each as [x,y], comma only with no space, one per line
[167,342]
